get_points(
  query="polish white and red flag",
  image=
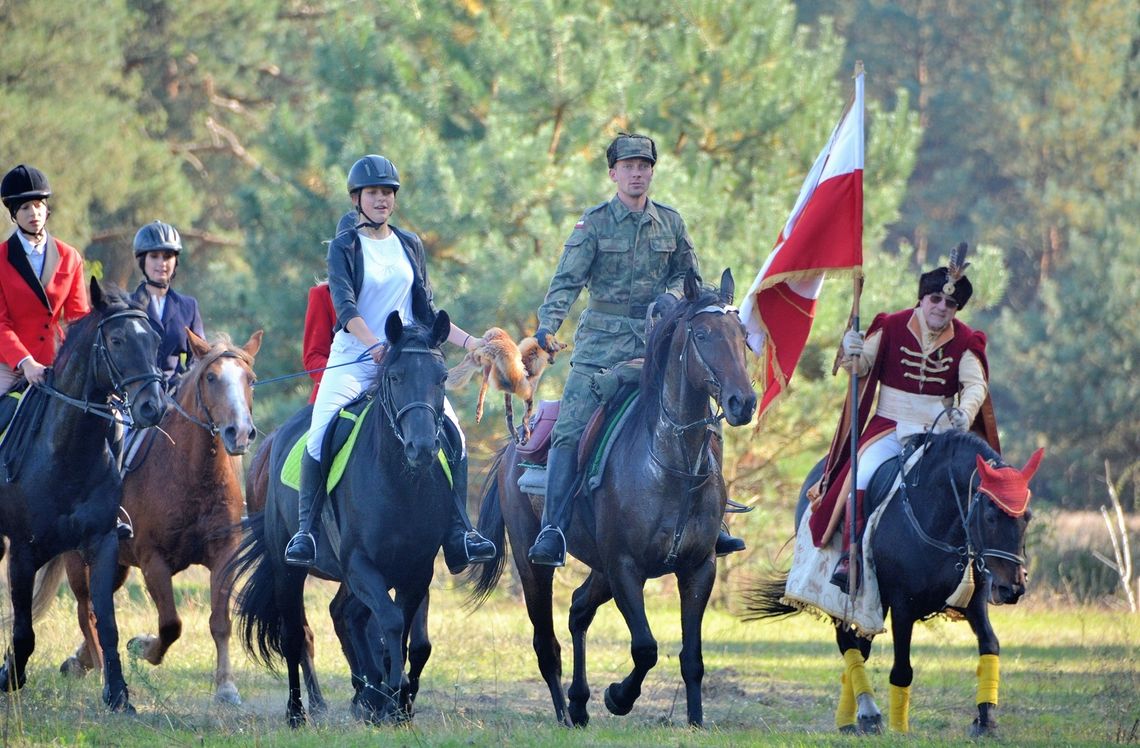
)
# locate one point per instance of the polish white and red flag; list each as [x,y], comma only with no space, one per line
[824,234]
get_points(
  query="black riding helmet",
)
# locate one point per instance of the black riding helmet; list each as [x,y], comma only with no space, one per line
[156,236]
[22,184]
[373,171]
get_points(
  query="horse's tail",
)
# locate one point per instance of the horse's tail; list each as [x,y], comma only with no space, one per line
[484,577]
[259,617]
[764,599]
[47,585]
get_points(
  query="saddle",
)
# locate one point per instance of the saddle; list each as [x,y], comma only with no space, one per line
[616,388]
[340,439]
[21,413]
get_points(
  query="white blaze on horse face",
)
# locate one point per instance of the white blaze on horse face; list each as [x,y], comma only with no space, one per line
[232,376]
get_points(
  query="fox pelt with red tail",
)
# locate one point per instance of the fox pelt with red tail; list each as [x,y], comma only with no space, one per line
[512,368]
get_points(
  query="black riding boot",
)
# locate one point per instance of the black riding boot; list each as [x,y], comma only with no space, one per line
[302,548]
[549,547]
[726,543]
[463,544]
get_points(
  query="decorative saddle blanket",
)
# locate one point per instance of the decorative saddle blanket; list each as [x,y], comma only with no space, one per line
[809,584]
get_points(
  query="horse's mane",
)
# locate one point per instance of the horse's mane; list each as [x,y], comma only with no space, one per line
[414,333]
[958,449]
[81,332]
[657,347]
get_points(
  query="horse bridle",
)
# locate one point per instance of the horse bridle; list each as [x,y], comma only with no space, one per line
[394,416]
[969,519]
[118,409]
[209,424]
[692,472]
[711,420]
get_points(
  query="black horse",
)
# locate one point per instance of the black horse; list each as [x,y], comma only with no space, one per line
[62,489]
[656,511]
[959,518]
[393,505]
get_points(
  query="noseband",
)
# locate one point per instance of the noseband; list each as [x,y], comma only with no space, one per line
[121,404]
[384,392]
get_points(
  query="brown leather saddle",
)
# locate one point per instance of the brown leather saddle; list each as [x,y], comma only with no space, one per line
[537,448]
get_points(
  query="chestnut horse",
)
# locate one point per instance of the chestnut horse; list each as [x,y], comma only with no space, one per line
[186,505]
[656,511]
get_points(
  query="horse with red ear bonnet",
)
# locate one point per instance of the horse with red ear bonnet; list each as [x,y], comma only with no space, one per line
[951,540]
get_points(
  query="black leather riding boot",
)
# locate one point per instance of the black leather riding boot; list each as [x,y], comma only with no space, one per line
[549,547]
[302,548]
[726,543]
[463,544]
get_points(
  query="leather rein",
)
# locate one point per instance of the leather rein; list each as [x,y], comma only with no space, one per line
[691,476]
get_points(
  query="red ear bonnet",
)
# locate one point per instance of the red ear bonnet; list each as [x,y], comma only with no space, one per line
[1007,486]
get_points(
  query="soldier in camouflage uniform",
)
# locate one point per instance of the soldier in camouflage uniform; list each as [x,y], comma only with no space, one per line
[629,252]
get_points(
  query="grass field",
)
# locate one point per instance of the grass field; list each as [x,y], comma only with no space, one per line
[1069,677]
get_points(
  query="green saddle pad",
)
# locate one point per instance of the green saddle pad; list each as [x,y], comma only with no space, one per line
[343,446]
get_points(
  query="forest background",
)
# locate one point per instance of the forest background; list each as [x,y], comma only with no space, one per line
[1011,125]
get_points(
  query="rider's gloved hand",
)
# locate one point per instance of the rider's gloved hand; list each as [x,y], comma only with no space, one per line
[852,343]
[546,340]
[959,420]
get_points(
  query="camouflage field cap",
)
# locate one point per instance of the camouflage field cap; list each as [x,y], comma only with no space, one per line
[627,145]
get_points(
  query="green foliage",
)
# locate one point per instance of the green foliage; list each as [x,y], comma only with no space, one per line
[237,120]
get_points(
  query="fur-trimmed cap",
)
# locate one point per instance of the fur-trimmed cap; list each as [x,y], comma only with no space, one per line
[938,280]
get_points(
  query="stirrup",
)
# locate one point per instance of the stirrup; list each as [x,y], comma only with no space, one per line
[302,550]
[841,576]
[735,507]
[556,559]
[123,525]
[471,539]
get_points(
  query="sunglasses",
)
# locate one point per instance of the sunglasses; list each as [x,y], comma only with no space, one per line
[937,298]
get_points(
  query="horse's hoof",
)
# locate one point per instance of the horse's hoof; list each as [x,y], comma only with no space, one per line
[578,716]
[979,729]
[296,720]
[227,693]
[6,682]
[871,725]
[140,646]
[119,700]
[611,704]
[73,668]
[849,730]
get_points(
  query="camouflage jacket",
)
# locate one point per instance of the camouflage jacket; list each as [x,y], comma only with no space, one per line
[625,259]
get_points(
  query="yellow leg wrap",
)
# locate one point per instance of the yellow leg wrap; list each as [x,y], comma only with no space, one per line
[856,673]
[988,678]
[845,711]
[899,717]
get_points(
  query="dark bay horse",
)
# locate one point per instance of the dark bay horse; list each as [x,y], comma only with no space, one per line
[394,507]
[656,511]
[185,503]
[62,486]
[960,509]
